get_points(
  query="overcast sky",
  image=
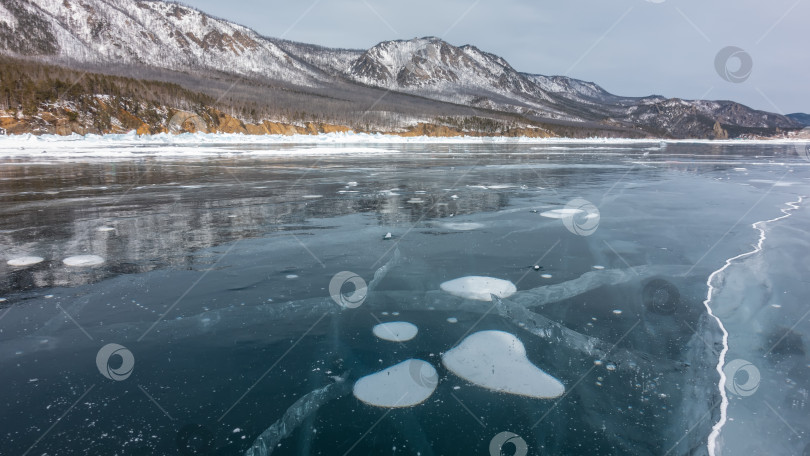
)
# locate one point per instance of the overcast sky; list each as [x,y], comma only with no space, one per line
[629,47]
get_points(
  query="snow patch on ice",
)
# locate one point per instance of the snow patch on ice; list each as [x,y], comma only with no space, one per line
[25,261]
[405,384]
[772,182]
[479,288]
[463,226]
[497,360]
[83,261]
[561,213]
[396,331]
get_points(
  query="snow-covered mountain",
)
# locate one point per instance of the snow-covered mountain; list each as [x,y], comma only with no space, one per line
[168,36]
[466,75]
[800,117]
[152,33]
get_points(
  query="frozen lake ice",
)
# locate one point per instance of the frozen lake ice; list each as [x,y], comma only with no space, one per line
[229,297]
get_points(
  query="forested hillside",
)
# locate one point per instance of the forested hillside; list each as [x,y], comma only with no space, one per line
[44,98]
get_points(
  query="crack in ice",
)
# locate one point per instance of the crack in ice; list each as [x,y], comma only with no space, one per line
[717,428]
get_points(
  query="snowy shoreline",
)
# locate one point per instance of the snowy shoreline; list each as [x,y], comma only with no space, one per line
[352,138]
[130,145]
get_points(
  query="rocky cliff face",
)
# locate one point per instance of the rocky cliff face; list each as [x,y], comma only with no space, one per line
[124,116]
[168,36]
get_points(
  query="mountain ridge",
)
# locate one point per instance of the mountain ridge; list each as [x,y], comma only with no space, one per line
[175,40]
[801,117]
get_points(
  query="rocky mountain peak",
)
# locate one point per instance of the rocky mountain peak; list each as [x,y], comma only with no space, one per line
[411,63]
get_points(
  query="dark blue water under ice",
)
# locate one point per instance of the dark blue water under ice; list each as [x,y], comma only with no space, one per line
[216,281]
